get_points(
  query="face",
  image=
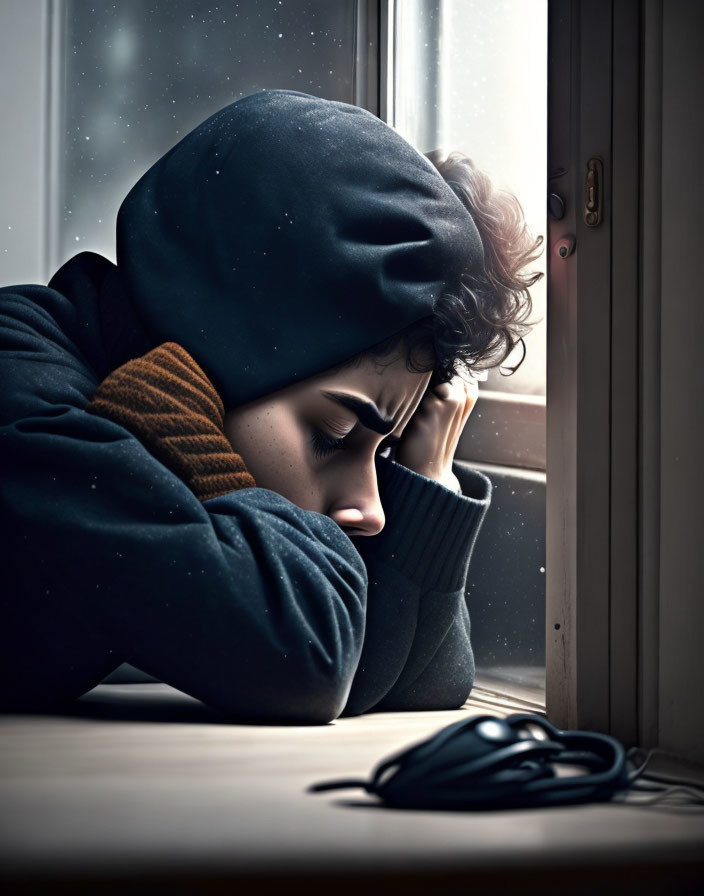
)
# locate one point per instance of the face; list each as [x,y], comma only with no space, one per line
[314,442]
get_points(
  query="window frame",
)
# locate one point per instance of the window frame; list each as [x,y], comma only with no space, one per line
[592,418]
[591,422]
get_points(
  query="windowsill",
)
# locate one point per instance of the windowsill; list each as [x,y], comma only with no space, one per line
[502,693]
[141,780]
[507,429]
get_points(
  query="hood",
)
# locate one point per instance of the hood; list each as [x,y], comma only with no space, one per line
[286,234]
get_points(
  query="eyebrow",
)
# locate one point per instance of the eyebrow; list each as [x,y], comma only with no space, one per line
[367,413]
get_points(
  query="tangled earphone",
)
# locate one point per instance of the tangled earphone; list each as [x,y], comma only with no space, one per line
[488,762]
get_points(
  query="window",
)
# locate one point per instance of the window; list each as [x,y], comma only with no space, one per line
[472,75]
[138,76]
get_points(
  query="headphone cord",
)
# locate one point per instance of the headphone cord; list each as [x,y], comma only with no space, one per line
[669,791]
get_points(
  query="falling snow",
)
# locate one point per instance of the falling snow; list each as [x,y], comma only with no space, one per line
[141,75]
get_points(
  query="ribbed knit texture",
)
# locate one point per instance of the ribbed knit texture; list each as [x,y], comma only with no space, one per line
[432,540]
[166,400]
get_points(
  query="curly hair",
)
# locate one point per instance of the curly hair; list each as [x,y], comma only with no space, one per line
[477,323]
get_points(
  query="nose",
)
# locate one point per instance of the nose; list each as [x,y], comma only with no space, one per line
[358,510]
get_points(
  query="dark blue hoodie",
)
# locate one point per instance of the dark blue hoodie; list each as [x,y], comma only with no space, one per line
[247,602]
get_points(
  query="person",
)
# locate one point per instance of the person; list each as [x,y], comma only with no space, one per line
[227,459]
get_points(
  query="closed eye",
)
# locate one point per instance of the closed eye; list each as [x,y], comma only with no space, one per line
[324,445]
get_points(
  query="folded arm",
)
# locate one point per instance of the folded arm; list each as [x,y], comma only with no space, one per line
[244,601]
[417,653]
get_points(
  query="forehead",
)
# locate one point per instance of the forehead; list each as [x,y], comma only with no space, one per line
[388,374]
[387,382]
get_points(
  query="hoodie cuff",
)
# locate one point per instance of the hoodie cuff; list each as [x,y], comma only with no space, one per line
[430,530]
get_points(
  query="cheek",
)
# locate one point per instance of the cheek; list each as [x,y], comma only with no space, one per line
[274,448]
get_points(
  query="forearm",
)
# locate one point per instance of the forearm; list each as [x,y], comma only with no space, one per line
[417,649]
[439,673]
[246,602]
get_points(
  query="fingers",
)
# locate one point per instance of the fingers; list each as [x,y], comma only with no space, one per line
[442,390]
[453,402]
[458,389]
[432,435]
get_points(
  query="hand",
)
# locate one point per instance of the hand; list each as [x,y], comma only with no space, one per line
[430,439]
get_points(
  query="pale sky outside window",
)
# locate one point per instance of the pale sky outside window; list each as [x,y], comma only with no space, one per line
[472,75]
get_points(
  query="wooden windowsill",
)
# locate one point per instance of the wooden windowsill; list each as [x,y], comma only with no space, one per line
[142,783]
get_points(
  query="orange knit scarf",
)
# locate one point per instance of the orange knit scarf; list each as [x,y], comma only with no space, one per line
[167,401]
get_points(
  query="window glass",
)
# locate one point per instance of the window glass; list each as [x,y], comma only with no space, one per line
[472,75]
[140,74]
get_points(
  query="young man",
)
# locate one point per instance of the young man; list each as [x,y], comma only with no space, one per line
[193,441]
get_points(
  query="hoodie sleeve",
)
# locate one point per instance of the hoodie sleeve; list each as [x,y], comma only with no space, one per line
[417,653]
[244,601]
[417,648]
